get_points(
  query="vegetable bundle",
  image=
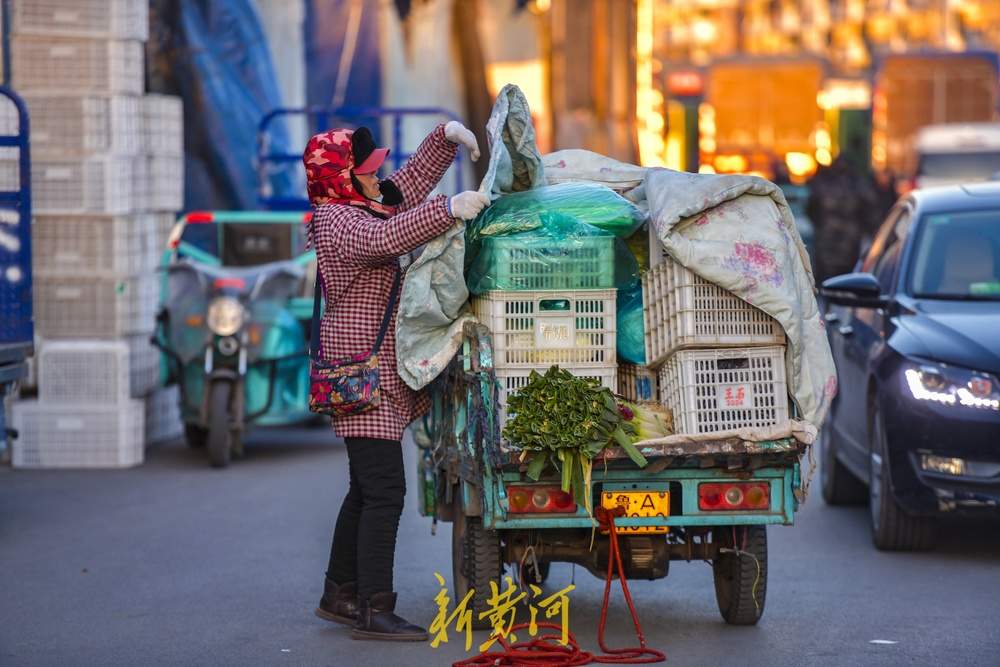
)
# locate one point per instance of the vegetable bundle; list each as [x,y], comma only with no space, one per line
[566,420]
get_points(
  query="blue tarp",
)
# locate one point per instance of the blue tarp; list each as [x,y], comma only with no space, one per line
[214,54]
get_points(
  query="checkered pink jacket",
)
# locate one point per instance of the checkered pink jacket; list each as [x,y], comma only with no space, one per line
[358,257]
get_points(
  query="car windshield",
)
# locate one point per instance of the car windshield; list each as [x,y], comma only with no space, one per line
[960,166]
[957,256]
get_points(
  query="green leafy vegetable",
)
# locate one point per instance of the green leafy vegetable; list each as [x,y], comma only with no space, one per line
[560,418]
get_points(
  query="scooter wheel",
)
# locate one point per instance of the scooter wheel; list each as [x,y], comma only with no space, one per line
[220,440]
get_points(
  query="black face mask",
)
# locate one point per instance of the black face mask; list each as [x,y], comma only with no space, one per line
[391,194]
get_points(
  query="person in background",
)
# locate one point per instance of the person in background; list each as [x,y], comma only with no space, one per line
[845,209]
[360,228]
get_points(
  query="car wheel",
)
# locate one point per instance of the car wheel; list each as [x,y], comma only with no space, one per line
[475,562]
[740,573]
[839,485]
[892,528]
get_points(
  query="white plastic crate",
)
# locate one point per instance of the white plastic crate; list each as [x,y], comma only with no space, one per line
[637,383]
[97,184]
[513,379]
[65,125]
[93,244]
[564,327]
[163,415]
[94,307]
[78,435]
[63,66]
[160,183]
[104,19]
[682,310]
[157,227]
[162,124]
[724,389]
[96,371]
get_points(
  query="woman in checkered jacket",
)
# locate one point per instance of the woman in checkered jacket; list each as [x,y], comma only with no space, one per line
[360,228]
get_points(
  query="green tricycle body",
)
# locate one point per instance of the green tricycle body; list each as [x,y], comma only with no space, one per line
[468,475]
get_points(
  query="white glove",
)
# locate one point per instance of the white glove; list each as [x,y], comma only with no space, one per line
[467,205]
[457,133]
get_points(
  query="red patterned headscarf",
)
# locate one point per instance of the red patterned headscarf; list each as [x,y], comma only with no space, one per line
[328,161]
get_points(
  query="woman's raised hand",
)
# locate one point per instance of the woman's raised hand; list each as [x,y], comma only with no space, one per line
[457,133]
[467,205]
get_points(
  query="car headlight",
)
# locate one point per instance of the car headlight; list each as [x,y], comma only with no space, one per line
[952,386]
[225,315]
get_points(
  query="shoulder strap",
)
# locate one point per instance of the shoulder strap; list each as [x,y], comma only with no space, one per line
[316,347]
[389,308]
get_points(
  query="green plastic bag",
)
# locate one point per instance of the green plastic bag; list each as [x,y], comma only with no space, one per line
[588,203]
[631,339]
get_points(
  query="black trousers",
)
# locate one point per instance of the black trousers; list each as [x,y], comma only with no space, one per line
[364,540]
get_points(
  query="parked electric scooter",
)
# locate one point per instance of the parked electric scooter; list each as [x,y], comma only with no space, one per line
[233,330]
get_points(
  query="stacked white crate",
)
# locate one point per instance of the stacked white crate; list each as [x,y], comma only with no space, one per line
[534,330]
[720,360]
[101,217]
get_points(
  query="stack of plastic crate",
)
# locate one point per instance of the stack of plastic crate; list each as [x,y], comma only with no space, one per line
[720,360]
[560,312]
[79,66]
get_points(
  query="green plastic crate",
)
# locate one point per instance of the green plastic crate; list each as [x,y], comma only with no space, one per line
[518,263]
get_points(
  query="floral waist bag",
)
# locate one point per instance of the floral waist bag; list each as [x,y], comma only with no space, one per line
[348,386]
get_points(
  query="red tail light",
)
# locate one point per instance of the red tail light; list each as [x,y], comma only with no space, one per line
[524,499]
[726,497]
[197,217]
[235,283]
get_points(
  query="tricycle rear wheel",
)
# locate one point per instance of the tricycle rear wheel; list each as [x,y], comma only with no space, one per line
[475,562]
[740,571]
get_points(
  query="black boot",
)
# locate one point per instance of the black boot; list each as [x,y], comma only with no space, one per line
[339,603]
[376,620]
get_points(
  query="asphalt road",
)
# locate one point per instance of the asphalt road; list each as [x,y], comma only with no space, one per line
[176,564]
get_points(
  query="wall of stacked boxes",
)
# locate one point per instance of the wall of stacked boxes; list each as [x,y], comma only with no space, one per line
[107,183]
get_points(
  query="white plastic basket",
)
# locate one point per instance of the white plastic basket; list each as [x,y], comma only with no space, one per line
[163,415]
[62,65]
[96,371]
[160,183]
[78,435]
[637,383]
[682,310]
[65,125]
[93,245]
[94,307]
[98,184]
[162,125]
[513,379]
[538,329]
[724,389]
[104,19]
[157,227]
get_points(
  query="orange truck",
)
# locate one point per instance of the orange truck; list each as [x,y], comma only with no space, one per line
[761,112]
[914,91]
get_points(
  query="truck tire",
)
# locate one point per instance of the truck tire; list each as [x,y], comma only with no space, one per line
[220,433]
[839,485]
[892,528]
[740,578]
[475,562]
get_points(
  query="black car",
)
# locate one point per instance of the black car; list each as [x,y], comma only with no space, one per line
[916,338]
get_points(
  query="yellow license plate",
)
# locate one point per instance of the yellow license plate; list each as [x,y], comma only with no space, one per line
[639,504]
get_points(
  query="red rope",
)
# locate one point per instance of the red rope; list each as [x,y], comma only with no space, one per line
[546,651]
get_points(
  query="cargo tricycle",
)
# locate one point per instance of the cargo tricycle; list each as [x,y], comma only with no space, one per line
[236,304]
[700,501]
